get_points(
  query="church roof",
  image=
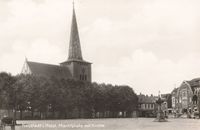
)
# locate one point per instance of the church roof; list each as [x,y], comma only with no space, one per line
[74,45]
[82,61]
[48,70]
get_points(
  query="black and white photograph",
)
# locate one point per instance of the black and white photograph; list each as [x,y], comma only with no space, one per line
[99,65]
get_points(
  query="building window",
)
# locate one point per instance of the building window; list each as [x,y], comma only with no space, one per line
[184,94]
[81,77]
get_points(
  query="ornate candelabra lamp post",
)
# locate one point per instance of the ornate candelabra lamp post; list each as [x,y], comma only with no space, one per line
[160,114]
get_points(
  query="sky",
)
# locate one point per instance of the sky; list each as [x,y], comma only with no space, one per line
[150,45]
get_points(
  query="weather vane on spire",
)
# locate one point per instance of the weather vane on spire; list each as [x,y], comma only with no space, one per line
[73,3]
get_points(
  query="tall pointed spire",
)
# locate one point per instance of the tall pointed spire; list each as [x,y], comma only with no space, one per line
[74,45]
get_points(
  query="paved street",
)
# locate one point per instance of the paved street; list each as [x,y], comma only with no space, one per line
[112,124]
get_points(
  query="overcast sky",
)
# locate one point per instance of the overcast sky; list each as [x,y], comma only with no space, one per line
[150,45]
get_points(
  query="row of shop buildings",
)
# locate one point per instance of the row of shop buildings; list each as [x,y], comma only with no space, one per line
[147,106]
[181,101]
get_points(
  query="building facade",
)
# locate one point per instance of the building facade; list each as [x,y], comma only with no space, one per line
[75,67]
[185,97]
[147,105]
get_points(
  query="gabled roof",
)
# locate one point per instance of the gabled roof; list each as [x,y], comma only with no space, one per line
[48,70]
[166,96]
[194,82]
[174,91]
[146,99]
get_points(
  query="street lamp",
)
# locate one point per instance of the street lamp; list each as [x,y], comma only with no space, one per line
[160,114]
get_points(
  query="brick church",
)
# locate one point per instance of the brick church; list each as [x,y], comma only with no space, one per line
[75,67]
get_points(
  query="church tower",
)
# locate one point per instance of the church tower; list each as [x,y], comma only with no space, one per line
[79,68]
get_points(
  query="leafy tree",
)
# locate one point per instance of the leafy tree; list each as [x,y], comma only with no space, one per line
[6,86]
[19,94]
[64,96]
[198,102]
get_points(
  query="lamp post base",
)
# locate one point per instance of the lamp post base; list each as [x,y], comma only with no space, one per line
[160,117]
[160,120]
